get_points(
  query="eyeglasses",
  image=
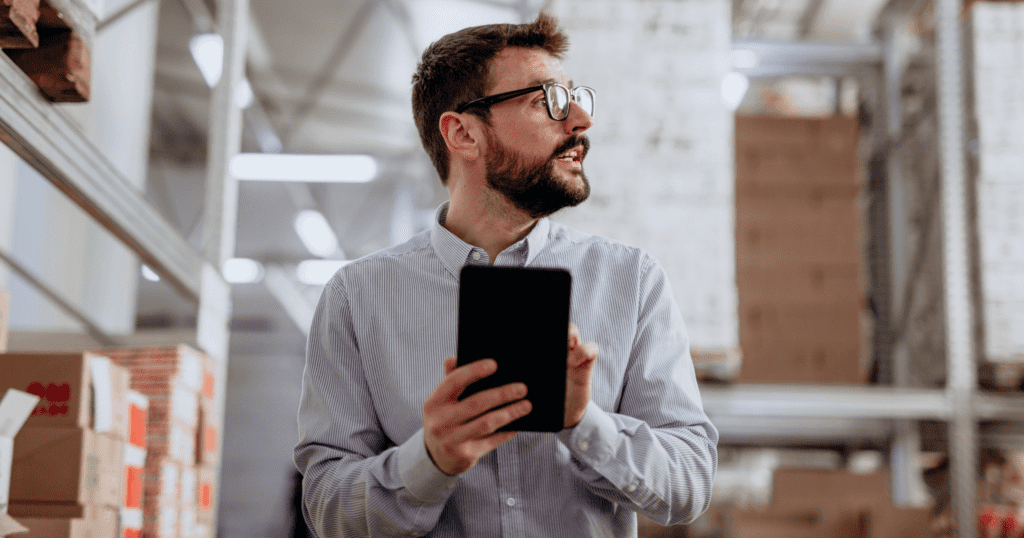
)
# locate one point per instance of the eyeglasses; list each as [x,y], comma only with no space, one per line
[556,96]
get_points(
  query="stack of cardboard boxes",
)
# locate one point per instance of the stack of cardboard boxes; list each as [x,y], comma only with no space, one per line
[798,250]
[67,476]
[182,449]
[123,442]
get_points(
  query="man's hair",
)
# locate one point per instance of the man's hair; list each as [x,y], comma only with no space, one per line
[456,69]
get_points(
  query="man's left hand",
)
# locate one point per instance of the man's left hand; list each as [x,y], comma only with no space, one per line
[580,364]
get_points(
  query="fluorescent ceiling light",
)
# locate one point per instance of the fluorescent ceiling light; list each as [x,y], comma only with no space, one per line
[734,88]
[316,233]
[318,272]
[242,271]
[208,53]
[308,168]
[149,274]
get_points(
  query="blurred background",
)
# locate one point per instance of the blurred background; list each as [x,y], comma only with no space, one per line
[834,187]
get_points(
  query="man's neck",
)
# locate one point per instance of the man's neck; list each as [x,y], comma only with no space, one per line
[487,221]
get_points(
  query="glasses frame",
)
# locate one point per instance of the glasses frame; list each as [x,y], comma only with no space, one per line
[491,100]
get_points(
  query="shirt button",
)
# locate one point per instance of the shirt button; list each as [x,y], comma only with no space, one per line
[584,445]
[510,501]
[476,256]
[631,488]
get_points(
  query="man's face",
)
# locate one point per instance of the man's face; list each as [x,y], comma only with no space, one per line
[534,161]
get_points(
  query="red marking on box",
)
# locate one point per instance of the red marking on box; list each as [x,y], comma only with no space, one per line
[133,488]
[137,426]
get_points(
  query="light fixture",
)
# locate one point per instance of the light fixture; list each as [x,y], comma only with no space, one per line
[307,168]
[208,53]
[316,233]
[734,88]
[149,274]
[242,271]
[318,272]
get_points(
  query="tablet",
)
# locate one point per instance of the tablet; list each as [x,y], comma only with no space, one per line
[520,318]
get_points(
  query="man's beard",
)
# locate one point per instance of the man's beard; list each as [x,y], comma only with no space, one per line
[535,189]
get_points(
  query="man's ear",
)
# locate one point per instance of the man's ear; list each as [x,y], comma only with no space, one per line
[462,134]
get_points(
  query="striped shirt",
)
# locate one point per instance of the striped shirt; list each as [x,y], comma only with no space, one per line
[382,329]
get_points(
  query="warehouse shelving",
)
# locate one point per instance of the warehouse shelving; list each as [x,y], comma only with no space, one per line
[46,138]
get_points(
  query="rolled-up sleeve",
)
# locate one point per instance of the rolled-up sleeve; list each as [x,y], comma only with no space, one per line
[657,451]
[356,481]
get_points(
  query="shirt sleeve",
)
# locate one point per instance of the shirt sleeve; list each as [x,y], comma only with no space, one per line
[356,481]
[657,452]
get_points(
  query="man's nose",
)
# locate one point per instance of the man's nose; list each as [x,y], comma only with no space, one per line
[578,120]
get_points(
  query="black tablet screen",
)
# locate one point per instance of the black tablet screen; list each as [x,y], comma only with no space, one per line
[520,318]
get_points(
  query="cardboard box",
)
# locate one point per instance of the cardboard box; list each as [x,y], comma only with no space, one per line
[80,466]
[5,312]
[130,524]
[809,343]
[155,371]
[138,415]
[99,521]
[207,489]
[160,522]
[801,284]
[15,408]
[208,434]
[832,504]
[161,485]
[75,390]
[134,476]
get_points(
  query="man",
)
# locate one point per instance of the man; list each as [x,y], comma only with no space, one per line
[386,446]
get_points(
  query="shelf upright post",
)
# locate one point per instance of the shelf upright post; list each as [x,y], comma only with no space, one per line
[219,227]
[961,383]
[907,484]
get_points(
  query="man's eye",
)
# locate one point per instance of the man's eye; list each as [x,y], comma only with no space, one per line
[539,102]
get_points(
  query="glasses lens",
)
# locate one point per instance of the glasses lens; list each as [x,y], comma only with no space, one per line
[558,101]
[585,98]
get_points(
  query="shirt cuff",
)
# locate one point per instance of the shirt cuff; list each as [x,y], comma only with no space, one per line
[419,474]
[593,439]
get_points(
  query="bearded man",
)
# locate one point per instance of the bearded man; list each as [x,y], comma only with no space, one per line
[387,447]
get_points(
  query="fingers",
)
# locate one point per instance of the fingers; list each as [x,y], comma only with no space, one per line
[458,378]
[574,336]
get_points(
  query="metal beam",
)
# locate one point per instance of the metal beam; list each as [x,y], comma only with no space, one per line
[775,59]
[961,371]
[826,402]
[342,49]
[49,141]
[289,294]
[53,295]
[120,13]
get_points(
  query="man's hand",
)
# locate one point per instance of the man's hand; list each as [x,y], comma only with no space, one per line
[580,364]
[459,433]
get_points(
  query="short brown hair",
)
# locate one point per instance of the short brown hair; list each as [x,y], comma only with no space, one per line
[456,69]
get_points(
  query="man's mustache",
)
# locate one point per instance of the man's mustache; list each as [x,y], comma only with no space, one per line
[572,142]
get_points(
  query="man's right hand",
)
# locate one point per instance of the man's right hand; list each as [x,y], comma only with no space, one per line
[459,433]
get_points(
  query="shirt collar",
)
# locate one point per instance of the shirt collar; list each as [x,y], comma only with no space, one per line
[454,252]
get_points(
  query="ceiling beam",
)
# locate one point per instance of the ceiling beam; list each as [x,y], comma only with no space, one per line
[341,51]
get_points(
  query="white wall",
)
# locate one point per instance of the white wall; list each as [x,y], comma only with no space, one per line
[999,105]
[661,165]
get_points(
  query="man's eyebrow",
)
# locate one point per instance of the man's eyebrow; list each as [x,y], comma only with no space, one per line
[541,82]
